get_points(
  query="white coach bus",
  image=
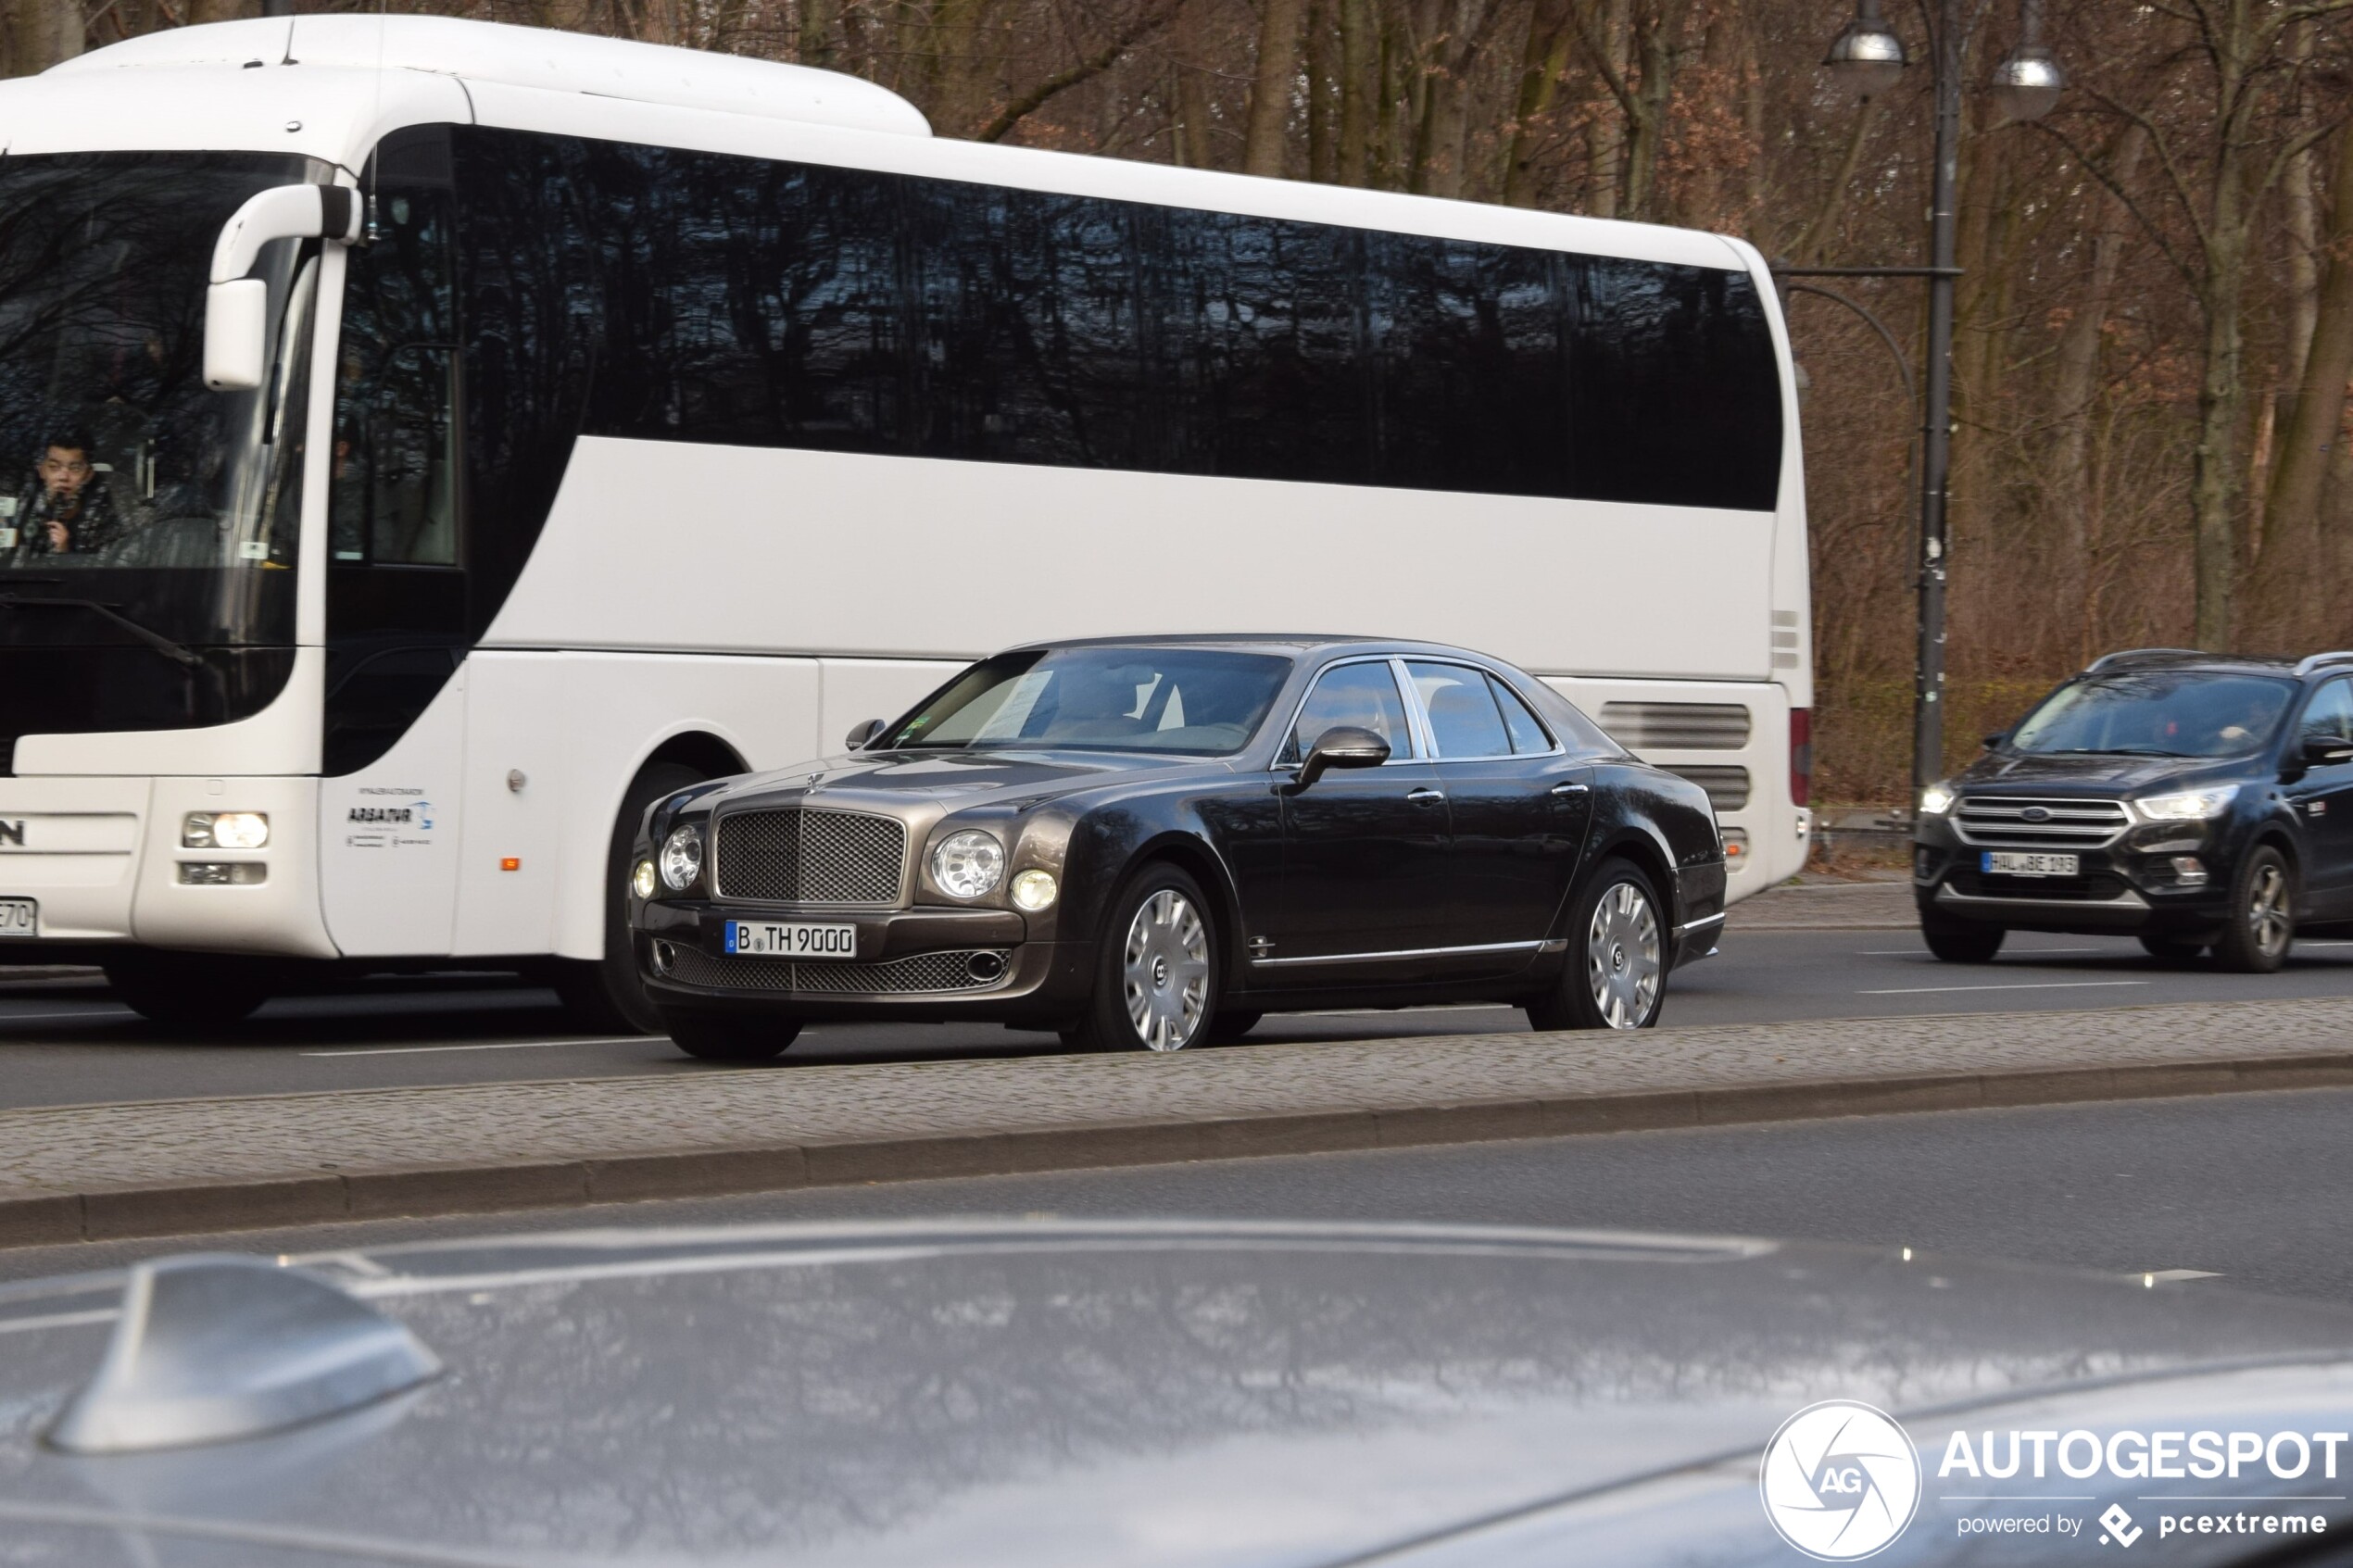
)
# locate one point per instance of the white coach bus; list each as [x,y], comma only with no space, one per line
[436,440]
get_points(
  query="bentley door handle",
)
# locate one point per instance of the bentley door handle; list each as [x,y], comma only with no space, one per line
[1425,796]
[1568,789]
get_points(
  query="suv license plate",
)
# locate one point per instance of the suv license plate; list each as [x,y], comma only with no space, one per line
[20,917]
[760,937]
[2004,862]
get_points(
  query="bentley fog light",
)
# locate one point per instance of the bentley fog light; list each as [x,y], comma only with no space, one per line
[1034,891]
[224,829]
[967,864]
[1936,800]
[682,857]
[2189,806]
[641,880]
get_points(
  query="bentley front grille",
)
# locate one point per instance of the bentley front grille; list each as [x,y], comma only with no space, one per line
[2049,823]
[921,972]
[801,855]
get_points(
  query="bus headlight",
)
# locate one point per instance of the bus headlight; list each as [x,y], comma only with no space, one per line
[641,880]
[224,829]
[968,864]
[682,857]
[1034,891]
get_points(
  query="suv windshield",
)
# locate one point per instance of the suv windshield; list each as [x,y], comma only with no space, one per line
[147,524]
[1192,701]
[2158,713]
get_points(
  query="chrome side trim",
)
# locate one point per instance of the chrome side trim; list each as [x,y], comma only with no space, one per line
[1404,953]
[1700,924]
[2128,899]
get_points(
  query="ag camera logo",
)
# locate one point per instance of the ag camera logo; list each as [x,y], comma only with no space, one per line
[1840,1481]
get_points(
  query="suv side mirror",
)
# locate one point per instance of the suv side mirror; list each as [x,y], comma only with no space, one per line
[1994,741]
[236,309]
[1342,745]
[861,735]
[2322,751]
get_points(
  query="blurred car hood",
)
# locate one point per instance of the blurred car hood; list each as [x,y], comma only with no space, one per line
[1067,1395]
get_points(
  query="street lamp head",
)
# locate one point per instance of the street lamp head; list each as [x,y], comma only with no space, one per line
[2027,83]
[1866,58]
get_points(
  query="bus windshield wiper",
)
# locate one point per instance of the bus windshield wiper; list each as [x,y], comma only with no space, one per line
[179,652]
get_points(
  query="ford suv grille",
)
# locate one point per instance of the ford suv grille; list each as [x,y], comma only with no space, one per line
[2038,824]
[802,856]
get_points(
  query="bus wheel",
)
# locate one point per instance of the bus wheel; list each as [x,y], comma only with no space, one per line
[189,990]
[720,1036]
[607,996]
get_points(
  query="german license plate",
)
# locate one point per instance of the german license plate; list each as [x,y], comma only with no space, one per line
[20,917]
[2011,862]
[778,939]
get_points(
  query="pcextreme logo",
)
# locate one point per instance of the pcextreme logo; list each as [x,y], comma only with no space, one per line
[1840,1481]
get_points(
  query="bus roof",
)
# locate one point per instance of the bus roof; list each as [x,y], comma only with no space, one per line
[524,57]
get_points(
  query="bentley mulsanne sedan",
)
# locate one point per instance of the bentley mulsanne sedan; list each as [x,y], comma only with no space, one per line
[1149,844]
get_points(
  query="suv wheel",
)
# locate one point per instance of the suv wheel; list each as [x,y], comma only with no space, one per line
[1961,941]
[2262,920]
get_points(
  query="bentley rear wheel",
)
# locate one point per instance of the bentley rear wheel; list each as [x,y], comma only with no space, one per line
[1615,977]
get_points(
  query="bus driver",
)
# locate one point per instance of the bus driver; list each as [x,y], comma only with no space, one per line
[68,510]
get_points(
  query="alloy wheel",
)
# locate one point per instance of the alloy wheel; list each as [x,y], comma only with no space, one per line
[2267,910]
[1622,959]
[1166,971]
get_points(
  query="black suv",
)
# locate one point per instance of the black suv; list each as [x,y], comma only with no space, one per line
[2195,800]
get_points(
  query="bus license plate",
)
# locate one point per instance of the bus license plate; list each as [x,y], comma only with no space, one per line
[2006,863]
[20,917]
[767,938]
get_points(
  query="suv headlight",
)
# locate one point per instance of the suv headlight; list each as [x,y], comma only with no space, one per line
[2189,806]
[1936,800]
[967,864]
[682,857]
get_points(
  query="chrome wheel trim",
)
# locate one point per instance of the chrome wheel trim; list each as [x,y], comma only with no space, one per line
[1164,971]
[2267,912]
[1623,966]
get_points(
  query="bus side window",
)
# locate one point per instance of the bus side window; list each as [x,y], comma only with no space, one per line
[396,485]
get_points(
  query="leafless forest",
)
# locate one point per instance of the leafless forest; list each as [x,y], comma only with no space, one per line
[2156,326]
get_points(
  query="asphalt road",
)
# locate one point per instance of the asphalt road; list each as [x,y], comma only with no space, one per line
[2251,1191]
[66,1043]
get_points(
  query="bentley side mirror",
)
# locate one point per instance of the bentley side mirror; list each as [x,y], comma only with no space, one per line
[1342,745]
[863,735]
[236,309]
[2324,751]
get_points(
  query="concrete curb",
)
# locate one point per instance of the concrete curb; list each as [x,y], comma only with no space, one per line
[120,1213]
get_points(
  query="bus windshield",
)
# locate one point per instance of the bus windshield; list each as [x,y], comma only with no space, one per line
[1190,701]
[147,524]
[113,453]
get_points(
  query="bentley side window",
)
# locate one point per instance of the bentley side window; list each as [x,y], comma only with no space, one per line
[1529,737]
[1464,720]
[1363,695]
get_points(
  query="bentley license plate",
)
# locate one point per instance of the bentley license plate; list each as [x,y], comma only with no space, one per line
[777,939]
[2011,862]
[20,917]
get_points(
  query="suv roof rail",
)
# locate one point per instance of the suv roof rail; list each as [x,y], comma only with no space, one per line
[2322,660]
[2108,658]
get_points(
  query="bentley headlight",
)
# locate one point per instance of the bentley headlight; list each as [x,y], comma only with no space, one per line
[1936,800]
[967,864]
[1034,891]
[682,857]
[2189,806]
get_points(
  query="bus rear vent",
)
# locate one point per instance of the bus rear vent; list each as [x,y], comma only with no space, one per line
[1727,787]
[1677,726]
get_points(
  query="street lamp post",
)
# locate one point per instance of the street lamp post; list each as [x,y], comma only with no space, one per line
[1868,57]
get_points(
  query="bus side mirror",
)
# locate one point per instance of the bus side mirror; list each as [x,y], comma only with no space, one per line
[236,308]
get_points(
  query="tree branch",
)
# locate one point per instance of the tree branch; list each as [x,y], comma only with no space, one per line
[1148,22]
[2165,248]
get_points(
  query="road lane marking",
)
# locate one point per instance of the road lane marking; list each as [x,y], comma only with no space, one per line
[485,1046]
[2030,985]
[2014,952]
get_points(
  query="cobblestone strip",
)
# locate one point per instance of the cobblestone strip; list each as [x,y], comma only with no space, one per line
[153,1168]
